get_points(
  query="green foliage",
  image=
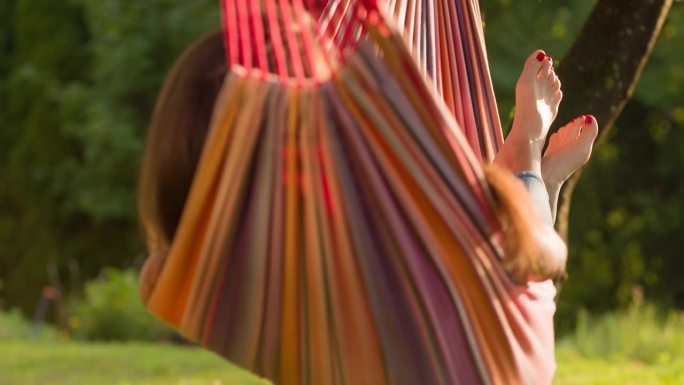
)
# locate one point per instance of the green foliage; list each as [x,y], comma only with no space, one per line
[79,80]
[15,327]
[111,310]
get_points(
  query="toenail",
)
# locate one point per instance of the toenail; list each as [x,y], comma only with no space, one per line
[541,56]
[588,119]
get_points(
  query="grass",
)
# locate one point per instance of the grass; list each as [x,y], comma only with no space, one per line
[638,346]
[574,369]
[73,363]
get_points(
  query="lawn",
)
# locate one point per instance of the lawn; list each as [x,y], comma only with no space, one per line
[71,363]
[25,363]
[576,370]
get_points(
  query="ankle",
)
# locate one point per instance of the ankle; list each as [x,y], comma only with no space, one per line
[521,154]
[526,127]
[552,188]
[551,179]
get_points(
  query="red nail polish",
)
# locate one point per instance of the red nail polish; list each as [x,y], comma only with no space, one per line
[588,119]
[541,56]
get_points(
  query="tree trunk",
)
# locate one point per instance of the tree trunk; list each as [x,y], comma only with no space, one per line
[601,70]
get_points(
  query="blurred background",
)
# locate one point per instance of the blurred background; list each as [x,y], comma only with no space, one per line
[78,80]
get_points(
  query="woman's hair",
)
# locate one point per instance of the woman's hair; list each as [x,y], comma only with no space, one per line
[533,251]
[179,125]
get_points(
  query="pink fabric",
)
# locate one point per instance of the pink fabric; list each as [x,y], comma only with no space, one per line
[536,304]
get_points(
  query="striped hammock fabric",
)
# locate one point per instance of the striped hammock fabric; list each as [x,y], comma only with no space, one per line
[339,229]
[446,39]
[444,36]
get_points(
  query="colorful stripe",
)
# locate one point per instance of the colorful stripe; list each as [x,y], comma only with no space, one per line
[445,38]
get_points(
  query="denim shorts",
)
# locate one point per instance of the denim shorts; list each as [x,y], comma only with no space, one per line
[540,197]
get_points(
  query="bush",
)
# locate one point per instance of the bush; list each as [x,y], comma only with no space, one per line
[639,333]
[14,327]
[111,310]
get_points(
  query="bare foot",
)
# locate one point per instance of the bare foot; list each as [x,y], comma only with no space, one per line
[569,149]
[537,96]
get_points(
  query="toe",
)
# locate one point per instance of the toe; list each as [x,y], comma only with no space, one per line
[545,70]
[534,62]
[590,128]
[552,74]
[575,128]
[558,96]
[571,130]
[553,141]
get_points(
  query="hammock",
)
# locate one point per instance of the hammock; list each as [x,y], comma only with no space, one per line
[338,229]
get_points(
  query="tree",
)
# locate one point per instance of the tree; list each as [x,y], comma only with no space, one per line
[618,37]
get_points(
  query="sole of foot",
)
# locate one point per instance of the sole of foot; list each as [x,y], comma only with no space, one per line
[569,149]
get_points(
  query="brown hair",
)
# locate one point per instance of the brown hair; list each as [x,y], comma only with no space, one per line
[533,251]
[179,125]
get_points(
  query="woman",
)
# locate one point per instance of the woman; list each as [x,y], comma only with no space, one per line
[183,113]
